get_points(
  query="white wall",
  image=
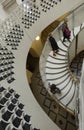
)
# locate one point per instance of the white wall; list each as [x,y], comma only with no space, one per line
[3,14]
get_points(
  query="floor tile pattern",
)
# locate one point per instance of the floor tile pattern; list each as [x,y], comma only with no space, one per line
[59,115]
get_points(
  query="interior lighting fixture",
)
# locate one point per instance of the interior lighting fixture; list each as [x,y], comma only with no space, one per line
[37,38]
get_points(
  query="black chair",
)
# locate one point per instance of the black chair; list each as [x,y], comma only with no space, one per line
[16,96]
[11,107]
[11,90]
[5,76]
[14,101]
[16,122]
[20,105]
[2,89]
[26,126]
[8,95]
[19,112]
[11,79]
[27,118]
[6,116]
[4,124]
[3,101]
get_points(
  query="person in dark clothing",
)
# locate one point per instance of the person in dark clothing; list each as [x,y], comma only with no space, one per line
[54,45]
[54,89]
[66,31]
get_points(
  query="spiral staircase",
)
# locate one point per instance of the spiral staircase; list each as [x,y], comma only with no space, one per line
[58,72]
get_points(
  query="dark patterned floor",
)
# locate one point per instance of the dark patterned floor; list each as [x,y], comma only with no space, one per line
[60,116]
[76,64]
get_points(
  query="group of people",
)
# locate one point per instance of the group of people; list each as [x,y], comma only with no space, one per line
[66,35]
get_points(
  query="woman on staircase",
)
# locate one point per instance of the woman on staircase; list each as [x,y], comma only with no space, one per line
[66,31]
[54,45]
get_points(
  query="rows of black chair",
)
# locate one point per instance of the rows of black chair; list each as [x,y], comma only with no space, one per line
[14,37]
[6,65]
[12,112]
[47,4]
[30,16]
